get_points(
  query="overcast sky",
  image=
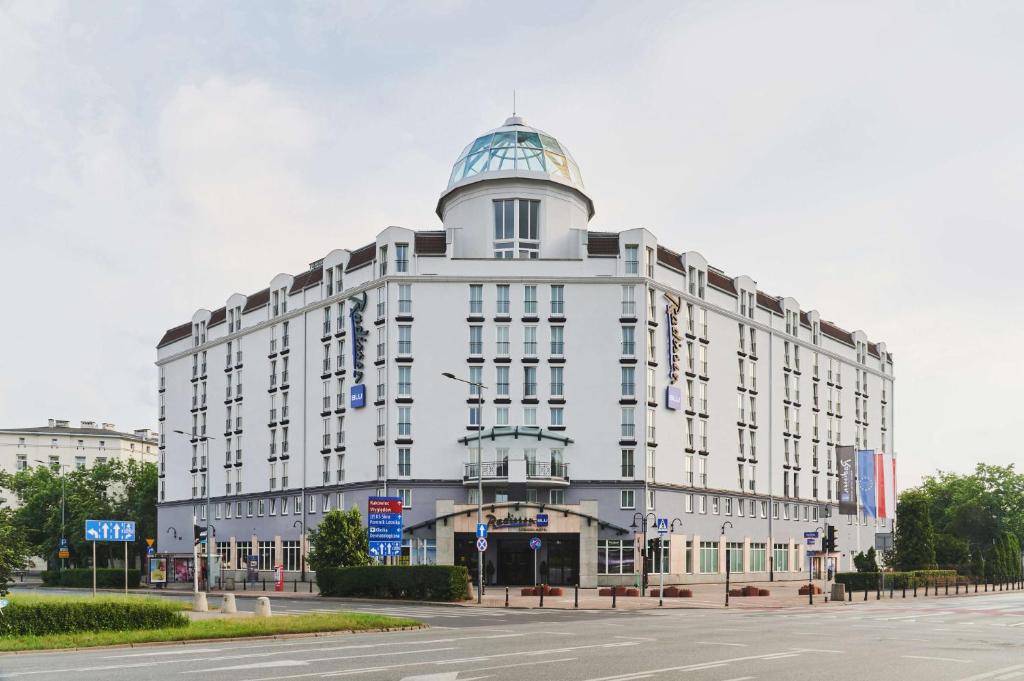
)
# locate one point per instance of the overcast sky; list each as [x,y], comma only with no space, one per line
[865,158]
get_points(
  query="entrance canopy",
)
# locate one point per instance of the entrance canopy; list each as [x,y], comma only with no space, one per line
[531,432]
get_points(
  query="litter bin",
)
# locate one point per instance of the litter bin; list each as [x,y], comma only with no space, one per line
[839,592]
[229,583]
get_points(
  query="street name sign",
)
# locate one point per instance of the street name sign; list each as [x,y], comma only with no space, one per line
[811,535]
[110,530]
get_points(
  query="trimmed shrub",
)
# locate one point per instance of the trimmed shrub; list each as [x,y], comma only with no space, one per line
[81,578]
[26,615]
[859,581]
[414,582]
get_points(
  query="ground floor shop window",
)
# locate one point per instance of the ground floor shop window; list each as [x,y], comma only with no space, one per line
[734,552]
[689,556]
[781,555]
[266,555]
[615,557]
[758,557]
[709,557]
[292,555]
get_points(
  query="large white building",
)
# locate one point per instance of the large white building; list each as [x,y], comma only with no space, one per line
[60,444]
[621,378]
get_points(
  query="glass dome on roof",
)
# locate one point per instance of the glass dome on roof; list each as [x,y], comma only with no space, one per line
[517,146]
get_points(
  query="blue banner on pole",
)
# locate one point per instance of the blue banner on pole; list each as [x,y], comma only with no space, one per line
[866,481]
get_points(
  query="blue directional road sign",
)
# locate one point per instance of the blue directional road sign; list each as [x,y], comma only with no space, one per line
[110,530]
[384,526]
[662,525]
[481,530]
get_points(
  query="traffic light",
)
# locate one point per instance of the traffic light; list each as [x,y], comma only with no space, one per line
[831,545]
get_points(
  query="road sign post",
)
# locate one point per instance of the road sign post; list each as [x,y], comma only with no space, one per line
[662,531]
[110,530]
[535,545]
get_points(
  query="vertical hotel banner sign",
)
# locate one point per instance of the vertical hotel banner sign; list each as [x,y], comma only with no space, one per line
[673,397]
[866,481]
[357,393]
[847,481]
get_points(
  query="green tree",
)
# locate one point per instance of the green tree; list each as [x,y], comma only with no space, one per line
[866,562]
[951,551]
[14,551]
[914,542]
[121,490]
[340,540]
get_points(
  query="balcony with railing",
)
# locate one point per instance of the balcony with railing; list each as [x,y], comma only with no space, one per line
[519,470]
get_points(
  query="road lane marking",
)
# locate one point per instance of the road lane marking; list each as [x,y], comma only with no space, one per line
[994,672]
[720,643]
[938,659]
[700,666]
[1011,675]
[190,651]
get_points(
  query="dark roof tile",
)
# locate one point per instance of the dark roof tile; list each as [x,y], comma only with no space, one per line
[603,244]
[217,317]
[360,257]
[769,302]
[175,334]
[430,243]
[257,300]
[307,279]
[721,281]
[670,259]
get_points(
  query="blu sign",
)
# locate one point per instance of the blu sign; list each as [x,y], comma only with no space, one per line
[357,396]
[673,397]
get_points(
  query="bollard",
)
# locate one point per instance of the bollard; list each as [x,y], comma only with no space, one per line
[850,594]
[865,592]
[576,597]
[244,585]
[542,595]
[311,587]
[904,589]
[946,580]
[878,592]
[926,587]
[892,586]
[295,586]
[262,607]
[975,585]
[264,585]
[614,592]
[986,586]
[506,596]
[958,585]
[915,588]
[227,604]
[199,603]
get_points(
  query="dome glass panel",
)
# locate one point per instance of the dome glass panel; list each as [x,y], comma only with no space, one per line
[516,147]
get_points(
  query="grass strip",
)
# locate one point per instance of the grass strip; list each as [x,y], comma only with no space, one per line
[212,629]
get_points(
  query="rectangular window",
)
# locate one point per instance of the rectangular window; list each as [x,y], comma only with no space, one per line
[529,341]
[557,299]
[404,381]
[405,421]
[627,499]
[629,301]
[628,341]
[529,381]
[402,257]
[557,340]
[405,494]
[734,554]
[404,461]
[405,299]
[628,427]
[614,556]
[557,385]
[780,554]
[502,340]
[476,299]
[627,381]
[404,343]
[501,381]
[476,344]
[709,557]
[632,259]
[530,300]
[502,305]
[758,557]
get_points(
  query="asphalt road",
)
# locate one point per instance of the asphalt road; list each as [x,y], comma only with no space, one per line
[955,639]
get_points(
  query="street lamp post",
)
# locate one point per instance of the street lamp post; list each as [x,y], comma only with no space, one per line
[62,467]
[302,545]
[479,473]
[205,439]
[728,562]
[643,551]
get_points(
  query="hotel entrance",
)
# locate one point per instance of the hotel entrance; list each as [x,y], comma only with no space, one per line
[509,560]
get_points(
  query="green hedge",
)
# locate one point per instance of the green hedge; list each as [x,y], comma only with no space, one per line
[416,582]
[106,578]
[43,615]
[858,581]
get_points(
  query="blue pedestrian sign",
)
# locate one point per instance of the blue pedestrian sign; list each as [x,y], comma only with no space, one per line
[481,530]
[662,525]
[110,530]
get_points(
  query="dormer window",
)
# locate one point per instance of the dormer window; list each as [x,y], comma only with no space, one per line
[509,242]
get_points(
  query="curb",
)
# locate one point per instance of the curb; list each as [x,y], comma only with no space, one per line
[227,639]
